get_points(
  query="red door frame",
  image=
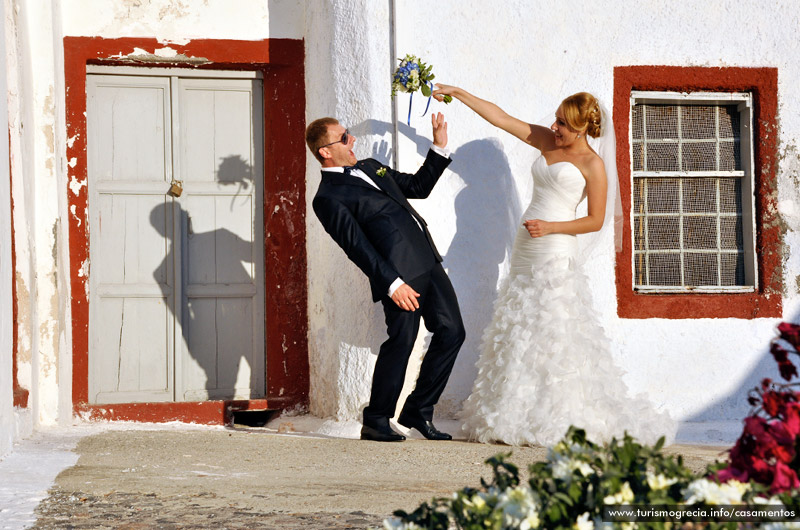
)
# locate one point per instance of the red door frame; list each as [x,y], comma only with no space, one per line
[286,294]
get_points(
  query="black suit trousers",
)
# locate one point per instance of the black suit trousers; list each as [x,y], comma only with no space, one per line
[439,310]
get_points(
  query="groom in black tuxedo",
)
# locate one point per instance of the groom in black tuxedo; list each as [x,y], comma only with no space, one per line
[364,207]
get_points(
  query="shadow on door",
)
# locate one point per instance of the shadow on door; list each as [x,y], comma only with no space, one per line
[213,295]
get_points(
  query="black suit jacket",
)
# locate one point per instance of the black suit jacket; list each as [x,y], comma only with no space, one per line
[377,229]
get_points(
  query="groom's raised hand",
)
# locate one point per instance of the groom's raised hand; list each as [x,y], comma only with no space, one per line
[439,130]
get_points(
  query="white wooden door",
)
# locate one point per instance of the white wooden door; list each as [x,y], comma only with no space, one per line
[176,283]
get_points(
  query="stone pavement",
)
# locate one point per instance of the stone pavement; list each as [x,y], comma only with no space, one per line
[145,478]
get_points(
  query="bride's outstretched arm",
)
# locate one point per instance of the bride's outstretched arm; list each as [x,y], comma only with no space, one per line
[535,135]
[596,190]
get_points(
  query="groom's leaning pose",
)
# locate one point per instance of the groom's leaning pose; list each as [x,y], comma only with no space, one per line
[363,206]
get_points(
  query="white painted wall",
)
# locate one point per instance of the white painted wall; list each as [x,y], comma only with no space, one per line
[37,144]
[347,55]
[7,429]
[184,20]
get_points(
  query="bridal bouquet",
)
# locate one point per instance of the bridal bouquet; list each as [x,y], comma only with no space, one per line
[413,75]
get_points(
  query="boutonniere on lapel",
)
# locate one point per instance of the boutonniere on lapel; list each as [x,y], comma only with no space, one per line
[381,172]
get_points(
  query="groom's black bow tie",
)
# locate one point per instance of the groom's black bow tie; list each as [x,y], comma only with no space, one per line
[348,169]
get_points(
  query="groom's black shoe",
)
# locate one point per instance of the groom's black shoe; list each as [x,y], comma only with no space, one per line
[382,433]
[425,427]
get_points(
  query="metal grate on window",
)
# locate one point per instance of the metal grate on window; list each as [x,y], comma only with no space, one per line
[687,196]
[686,138]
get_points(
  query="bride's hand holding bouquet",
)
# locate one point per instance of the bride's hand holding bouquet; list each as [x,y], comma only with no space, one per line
[444,92]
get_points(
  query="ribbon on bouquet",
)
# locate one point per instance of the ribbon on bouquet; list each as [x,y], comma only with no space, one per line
[410,100]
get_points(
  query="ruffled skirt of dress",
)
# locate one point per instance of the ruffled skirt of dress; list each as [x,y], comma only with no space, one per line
[546,364]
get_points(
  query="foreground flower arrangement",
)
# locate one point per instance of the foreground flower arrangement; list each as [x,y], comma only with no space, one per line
[580,483]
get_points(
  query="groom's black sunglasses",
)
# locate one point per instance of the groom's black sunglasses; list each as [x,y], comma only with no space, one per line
[344,139]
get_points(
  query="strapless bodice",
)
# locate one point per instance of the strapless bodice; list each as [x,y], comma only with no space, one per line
[557,190]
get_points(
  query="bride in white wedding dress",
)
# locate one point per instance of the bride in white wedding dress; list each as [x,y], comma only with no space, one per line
[546,362]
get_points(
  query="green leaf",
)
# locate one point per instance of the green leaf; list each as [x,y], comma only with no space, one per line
[563,497]
[426,90]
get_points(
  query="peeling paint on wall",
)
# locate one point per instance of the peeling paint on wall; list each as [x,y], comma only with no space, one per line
[158,56]
[23,321]
[48,129]
[74,184]
[83,272]
[789,214]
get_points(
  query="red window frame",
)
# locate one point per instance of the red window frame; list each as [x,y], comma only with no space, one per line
[762,83]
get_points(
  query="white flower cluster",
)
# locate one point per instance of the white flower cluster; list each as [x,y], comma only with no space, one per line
[562,462]
[572,471]
[659,482]
[775,502]
[520,507]
[562,468]
[623,496]
[780,525]
[393,523]
[480,499]
[708,492]
[584,523]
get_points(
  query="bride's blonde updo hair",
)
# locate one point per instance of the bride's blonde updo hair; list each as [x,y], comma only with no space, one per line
[582,112]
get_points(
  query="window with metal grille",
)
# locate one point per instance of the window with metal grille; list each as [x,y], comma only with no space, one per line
[692,218]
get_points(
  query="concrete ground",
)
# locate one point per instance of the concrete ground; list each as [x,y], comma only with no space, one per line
[286,475]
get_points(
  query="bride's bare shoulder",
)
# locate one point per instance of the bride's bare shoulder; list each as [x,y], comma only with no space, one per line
[591,165]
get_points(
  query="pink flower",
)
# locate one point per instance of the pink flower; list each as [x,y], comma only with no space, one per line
[785,479]
[780,353]
[787,370]
[731,473]
[772,402]
[790,333]
[792,418]
[756,427]
[783,448]
[767,450]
